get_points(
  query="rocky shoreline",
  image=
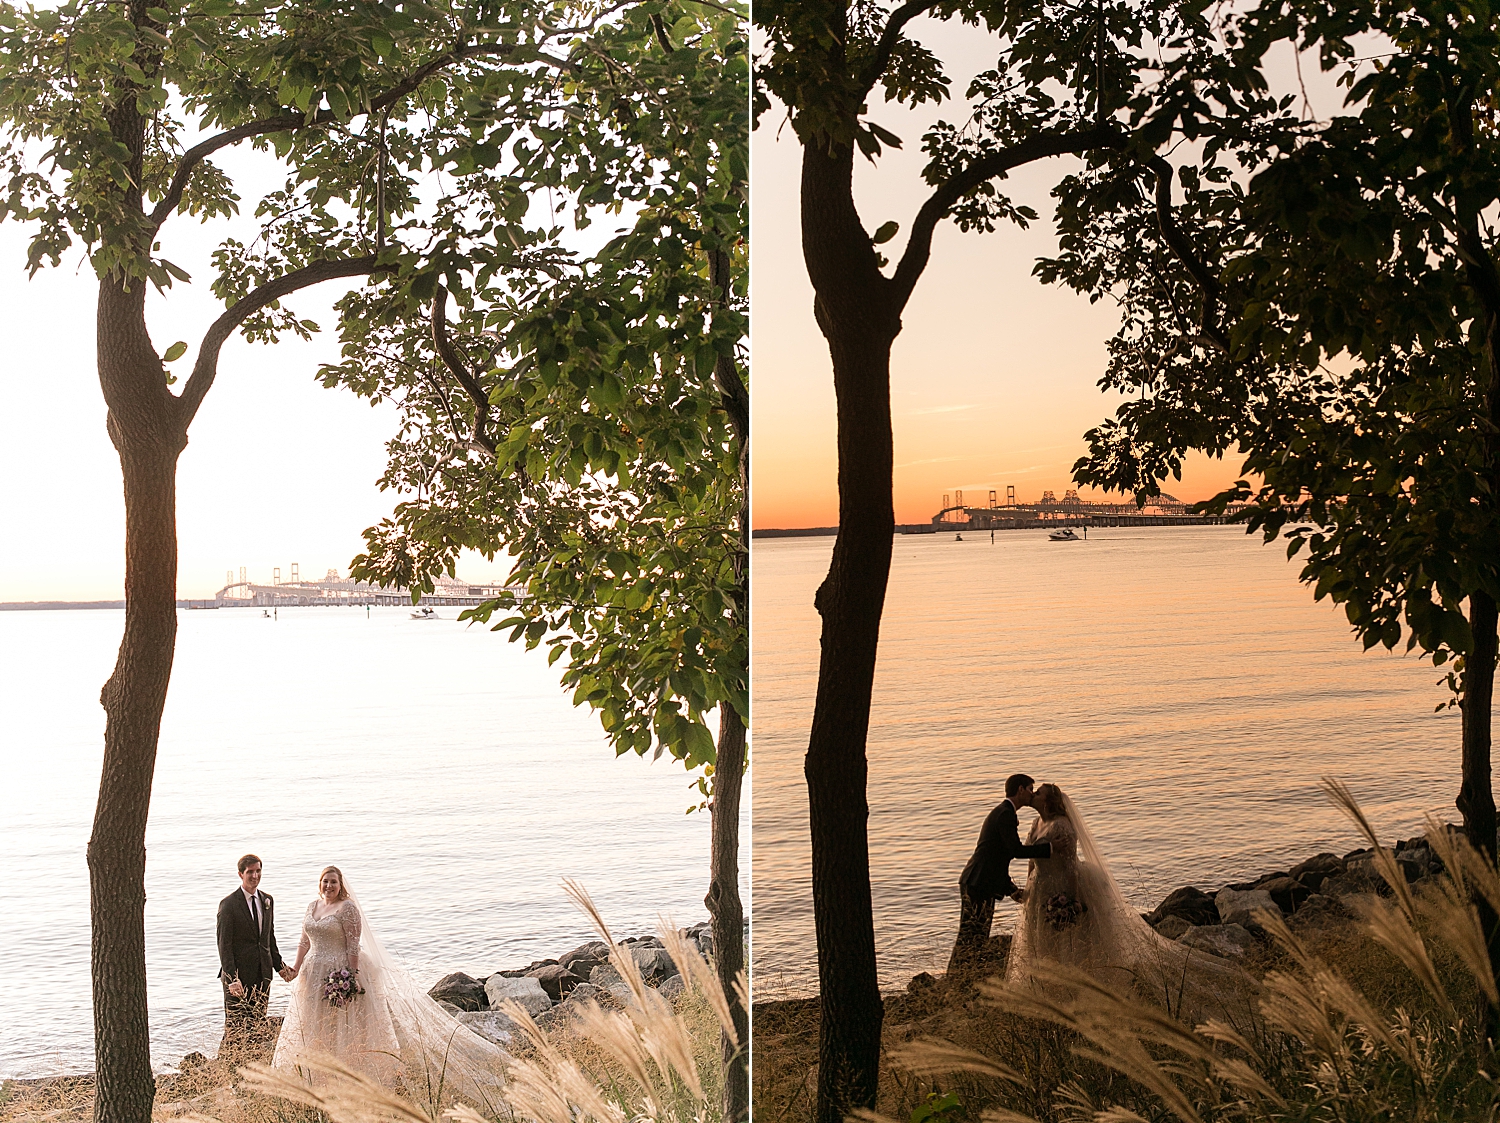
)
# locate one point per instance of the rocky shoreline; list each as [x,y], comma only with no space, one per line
[551,990]
[1317,889]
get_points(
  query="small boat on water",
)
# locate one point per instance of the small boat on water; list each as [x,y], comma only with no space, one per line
[425,614]
[1064,535]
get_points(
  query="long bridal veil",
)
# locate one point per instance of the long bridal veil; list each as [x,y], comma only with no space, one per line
[1116,946]
[439,1058]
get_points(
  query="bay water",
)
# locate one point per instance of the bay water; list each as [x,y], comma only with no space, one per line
[1178,682]
[441,767]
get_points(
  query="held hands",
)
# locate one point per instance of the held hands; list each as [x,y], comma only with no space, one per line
[1019,896]
[288,973]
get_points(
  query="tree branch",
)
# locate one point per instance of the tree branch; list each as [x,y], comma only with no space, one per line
[1182,249]
[888,39]
[732,393]
[285,122]
[207,365]
[956,186]
[455,363]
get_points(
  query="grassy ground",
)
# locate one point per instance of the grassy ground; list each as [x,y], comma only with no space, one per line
[1053,1083]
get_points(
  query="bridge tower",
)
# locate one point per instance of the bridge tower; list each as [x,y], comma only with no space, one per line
[276,576]
[228,577]
[946,504]
[295,579]
[242,575]
[1010,495]
[958,499]
[994,502]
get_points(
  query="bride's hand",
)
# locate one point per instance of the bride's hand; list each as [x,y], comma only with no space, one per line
[288,973]
[1019,896]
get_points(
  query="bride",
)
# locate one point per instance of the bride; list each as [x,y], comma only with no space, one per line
[353,1004]
[1073,913]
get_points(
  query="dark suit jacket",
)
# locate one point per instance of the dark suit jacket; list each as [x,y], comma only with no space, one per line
[988,872]
[243,952]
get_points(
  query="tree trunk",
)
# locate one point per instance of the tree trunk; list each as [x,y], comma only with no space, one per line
[144,427]
[854,311]
[726,910]
[1476,798]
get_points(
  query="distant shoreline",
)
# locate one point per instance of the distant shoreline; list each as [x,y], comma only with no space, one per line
[53,605]
[39,605]
[803,532]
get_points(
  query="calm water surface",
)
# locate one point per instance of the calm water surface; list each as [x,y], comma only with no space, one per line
[441,767]
[1178,681]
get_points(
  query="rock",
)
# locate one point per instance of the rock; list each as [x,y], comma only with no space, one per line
[607,978]
[194,1060]
[1415,863]
[1228,940]
[671,986]
[1287,892]
[526,991]
[1174,926]
[556,980]
[1355,883]
[1317,869]
[1319,908]
[452,1009]
[1189,903]
[1238,906]
[583,992]
[921,984]
[491,1025]
[463,991]
[1261,881]
[596,951]
[653,962]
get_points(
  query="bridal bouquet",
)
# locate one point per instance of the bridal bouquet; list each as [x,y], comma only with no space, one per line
[341,987]
[1063,911]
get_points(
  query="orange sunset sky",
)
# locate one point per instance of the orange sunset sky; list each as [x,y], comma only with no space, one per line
[994,376]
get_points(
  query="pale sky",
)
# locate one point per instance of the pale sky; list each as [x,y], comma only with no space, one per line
[994,376]
[277,469]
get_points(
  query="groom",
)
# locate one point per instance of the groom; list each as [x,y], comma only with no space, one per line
[987,876]
[247,956]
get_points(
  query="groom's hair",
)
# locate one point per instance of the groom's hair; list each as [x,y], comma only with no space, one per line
[246,862]
[1014,784]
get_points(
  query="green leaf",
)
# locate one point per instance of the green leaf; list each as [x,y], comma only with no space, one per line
[174,352]
[885,232]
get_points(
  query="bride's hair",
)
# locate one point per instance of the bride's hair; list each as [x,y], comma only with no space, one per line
[1050,802]
[343,889]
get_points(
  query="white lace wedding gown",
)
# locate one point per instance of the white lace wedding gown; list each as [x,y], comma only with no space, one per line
[393,1033]
[1109,939]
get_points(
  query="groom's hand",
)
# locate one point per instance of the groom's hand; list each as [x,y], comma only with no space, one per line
[1019,896]
[237,989]
[288,973]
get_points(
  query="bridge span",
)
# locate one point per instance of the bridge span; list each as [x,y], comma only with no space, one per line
[334,594]
[959,516]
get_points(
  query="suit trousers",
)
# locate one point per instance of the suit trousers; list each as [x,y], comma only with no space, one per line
[976,914]
[245,1024]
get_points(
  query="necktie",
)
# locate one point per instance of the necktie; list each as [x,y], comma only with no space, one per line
[255,910]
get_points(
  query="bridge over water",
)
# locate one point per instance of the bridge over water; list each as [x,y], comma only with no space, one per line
[334,594]
[1165,511]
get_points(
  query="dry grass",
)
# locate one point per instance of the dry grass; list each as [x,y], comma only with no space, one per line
[1376,1020]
